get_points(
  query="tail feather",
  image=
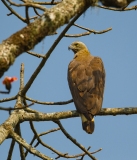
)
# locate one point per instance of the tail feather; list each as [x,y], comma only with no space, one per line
[87,125]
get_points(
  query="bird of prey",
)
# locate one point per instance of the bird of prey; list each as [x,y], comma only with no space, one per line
[86,79]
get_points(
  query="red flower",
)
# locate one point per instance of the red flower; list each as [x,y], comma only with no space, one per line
[7,82]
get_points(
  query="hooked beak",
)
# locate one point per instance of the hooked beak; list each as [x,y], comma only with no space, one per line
[69,47]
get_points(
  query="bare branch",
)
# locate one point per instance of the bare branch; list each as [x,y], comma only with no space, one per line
[25,39]
[96,151]
[28,4]
[65,155]
[11,149]
[86,33]
[33,139]
[10,108]
[44,133]
[78,35]
[47,132]
[93,31]
[36,12]
[18,131]
[13,12]
[41,142]
[39,116]
[41,134]
[27,15]
[117,9]
[32,150]
[47,3]
[35,54]
[49,103]
[84,154]
[74,140]
[8,99]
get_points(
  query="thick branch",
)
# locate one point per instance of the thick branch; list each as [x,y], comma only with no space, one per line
[11,122]
[38,116]
[20,116]
[32,34]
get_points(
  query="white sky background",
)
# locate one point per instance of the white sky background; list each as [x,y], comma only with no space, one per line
[117,135]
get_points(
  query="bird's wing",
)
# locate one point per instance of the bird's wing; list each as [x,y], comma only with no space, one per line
[86,81]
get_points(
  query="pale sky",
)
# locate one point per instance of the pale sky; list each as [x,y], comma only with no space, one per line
[116,135]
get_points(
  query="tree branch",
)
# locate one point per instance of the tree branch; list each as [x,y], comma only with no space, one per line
[117,9]
[74,140]
[20,116]
[39,116]
[8,99]
[32,150]
[11,149]
[49,103]
[13,12]
[32,34]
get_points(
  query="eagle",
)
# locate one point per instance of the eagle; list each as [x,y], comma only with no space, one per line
[86,79]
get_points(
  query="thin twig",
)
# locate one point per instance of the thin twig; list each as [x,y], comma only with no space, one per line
[96,151]
[48,103]
[117,9]
[33,139]
[22,153]
[4,92]
[44,133]
[47,3]
[36,12]
[27,14]
[10,108]
[13,12]
[50,131]
[35,54]
[28,4]
[73,140]
[11,149]
[8,99]
[65,155]
[41,134]
[93,31]
[82,157]
[78,35]
[86,33]
[40,141]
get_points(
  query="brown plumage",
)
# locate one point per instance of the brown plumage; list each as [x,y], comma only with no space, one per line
[86,78]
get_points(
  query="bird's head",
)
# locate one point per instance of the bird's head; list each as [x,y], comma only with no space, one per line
[77,46]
